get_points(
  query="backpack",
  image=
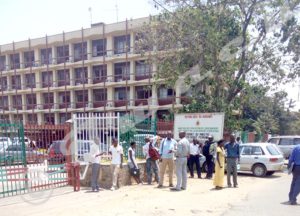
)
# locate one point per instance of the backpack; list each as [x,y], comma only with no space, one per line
[153,153]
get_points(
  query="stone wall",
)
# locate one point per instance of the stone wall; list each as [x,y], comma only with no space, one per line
[105,177]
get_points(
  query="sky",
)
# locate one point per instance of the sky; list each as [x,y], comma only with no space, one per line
[23,19]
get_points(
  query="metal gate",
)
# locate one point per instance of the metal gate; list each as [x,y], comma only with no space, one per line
[24,167]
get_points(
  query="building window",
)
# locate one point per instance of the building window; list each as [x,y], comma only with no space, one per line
[122,71]
[30,80]
[121,93]
[32,118]
[100,95]
[81,98]
[16,82]
[62,54]
[80,51]
[49,118]
[165,93]
[31,101]
[99,47]
[81,75]
[18,118]
[63,77]
[17,102]
[99,73]
[46,56]
[143,92]
[47,79]
[14,61]
[121,44]
[3,84]
[29,59]
[142,70]
[4,102]
[4,119]
[63,117]
[2,63]
[64,99]
[48,100]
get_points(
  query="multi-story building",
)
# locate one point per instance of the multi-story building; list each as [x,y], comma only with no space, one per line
[45,80]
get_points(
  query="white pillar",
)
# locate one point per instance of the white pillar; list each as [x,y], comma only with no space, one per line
[22,81]
[37,56]
[132,42]
[90,74]
[90,97]
[7,62]
[132,70]
[110,95]
[22,63]
[109,45]
[55,83]
[56,118]
[110,71]
[89,49]
[72,77]
[178,94]
[39,100]
[154,95]
[38,79]
[132,95]
[71,52]
[40,118]
[72,98]
[54,55]
[10,101]
[24,102]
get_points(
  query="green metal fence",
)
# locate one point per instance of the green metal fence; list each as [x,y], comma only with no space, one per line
[134,128]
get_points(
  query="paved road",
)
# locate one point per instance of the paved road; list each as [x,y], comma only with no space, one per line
[266,199]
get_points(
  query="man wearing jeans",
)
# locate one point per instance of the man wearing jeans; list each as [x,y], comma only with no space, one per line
[117,160]
[167,159]
[151,165]
[294,161]
[233,158]
[182,151]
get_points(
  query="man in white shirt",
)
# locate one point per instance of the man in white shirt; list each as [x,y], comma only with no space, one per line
[95,160]
[151,165]
[117,161]
[194,158]
[166,152]
[182,152]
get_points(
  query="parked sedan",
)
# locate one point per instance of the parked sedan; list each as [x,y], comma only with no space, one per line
[14,154]
[259,158]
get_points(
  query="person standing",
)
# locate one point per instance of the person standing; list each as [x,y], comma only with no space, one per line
[233,158]
[95,160]
[219,166]
[166,152]
[133,168]
[209,156]
[117,161]
[151,164]
[182,152]
[194,158]
[294,165]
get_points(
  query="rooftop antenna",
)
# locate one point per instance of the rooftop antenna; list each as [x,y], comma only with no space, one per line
[90,10]
[117,11]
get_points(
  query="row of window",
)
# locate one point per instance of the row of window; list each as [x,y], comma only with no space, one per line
[121,96]
[99,74]
[99,48]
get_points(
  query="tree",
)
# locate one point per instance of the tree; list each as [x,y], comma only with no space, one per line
[230,43]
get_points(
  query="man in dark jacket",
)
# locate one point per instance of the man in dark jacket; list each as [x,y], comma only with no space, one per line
[208,156]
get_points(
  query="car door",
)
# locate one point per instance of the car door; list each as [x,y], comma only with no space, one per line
[286,145]
[245,158]
[258,155]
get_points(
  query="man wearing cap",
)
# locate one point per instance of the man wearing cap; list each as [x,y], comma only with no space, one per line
[166,152]
[182,151]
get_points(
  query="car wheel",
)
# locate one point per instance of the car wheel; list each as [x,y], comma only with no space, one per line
[269,173]
[259,170]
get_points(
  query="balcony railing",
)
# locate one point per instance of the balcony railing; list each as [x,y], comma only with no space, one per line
[166,101]
[97,104]
[141,102]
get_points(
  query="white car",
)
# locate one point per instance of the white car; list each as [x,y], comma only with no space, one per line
[4,143]
[260,158]
[16,141]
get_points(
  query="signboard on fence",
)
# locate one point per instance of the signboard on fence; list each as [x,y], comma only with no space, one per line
[199,125]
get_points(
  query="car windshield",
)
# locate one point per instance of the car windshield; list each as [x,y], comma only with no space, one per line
[272,150]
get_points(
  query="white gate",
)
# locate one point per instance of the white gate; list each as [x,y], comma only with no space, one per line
[90,127]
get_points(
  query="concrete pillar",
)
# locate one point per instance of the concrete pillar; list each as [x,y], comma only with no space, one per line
[40,118]
[39,100]
[132,42]
[90,74]
[54,55]
[10,101]
[22,63]
[154,69]
[90,97]
[110,71]
[72,98]
[132,95]
[89,49]
[24,103]
[55,83]
[7,62]
[178,94]
[56,118]
[72,77]
[71,52]
[38,79]
[110,45]
[24,118]
[22,81]
[154,95]
[56,100]
[110,95]
[37,56]
[9,85]
[132,70]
